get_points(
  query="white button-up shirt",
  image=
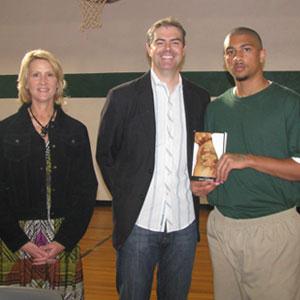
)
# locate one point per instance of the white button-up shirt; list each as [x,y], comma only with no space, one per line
[168,204]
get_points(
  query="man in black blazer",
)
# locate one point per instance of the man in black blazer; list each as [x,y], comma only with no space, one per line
[144,151]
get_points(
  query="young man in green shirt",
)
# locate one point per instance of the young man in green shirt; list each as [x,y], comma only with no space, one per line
[254,230]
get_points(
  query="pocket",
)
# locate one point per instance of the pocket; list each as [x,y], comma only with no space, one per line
[73,144]
[67,147]
[68,155]
[16,148]
[17,153]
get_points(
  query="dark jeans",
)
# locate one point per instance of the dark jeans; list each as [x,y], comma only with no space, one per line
[173,254]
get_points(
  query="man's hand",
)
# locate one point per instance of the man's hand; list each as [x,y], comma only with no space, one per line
[284,168]
[228,162]
[202,188]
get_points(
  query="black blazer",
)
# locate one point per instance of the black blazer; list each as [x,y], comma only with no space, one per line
[126,146]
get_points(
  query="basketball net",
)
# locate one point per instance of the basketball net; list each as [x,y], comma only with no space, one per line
[91,13]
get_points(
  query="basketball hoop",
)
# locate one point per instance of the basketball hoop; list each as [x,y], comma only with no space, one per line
[91,13]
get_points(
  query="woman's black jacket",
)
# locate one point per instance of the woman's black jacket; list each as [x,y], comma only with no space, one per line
[23,177]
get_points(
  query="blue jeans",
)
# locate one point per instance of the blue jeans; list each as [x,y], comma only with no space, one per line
[173,254]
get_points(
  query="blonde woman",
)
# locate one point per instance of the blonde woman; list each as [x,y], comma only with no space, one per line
[47,184]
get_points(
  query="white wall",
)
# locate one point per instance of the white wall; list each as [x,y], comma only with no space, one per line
[119,45]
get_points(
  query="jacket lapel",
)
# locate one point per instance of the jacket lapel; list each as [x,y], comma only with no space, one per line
[187,97]
[145,98]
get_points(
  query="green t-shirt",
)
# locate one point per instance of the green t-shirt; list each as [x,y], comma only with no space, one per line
[267,124]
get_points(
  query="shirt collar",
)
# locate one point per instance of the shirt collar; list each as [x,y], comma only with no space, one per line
[158,82]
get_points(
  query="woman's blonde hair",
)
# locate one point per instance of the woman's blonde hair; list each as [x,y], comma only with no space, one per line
[24,95]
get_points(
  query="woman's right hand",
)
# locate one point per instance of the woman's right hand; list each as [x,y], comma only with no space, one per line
[38,255]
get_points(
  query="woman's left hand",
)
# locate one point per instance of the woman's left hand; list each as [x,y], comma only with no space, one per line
[53,249]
